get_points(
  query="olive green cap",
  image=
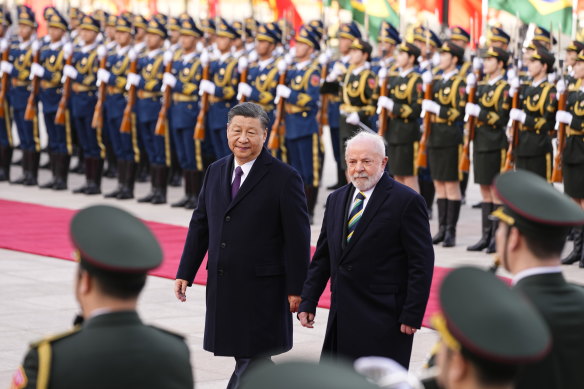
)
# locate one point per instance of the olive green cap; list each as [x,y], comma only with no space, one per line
[305,375]
[485,317]
[534,206]
[111,239]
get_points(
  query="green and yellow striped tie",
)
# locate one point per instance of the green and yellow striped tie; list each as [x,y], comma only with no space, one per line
[355,215]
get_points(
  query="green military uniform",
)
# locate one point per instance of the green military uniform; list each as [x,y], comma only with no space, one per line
[492,328]
[112,348]
[403,133]
[560,303]
[538,102]
[358,95]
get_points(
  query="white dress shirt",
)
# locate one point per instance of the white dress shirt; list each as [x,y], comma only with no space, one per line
[367,194]
[246,167]
[535,271]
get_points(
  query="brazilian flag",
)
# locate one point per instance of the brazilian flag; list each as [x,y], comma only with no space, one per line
[377,11]
[555,14]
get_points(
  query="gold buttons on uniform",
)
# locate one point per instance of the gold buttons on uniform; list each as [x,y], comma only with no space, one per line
[447,90]
[52,59]
[304,114]
[403,87]
[222,71]
[263,77]
[298,79]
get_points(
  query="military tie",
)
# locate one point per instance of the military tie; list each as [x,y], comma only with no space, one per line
[236,182]
[355,215]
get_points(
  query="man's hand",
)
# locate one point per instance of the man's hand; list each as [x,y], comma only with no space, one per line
[294,302]
[180,289]
[406,329]
[306,319]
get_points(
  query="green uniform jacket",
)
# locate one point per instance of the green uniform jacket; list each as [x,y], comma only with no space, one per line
[112,350]
[447,125]
[495,103]
[574,146]
[562,307]
[540,105]
[407,94]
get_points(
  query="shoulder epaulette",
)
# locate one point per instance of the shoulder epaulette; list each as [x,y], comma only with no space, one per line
[55,337]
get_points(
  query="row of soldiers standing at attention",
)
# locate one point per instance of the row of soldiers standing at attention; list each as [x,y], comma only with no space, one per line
[161,88]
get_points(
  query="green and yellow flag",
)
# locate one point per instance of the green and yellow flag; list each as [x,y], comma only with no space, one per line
[544,13]
[377,11]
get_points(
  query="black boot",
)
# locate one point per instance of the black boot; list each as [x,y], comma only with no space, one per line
[86,169]
[341,179]
[175,176]
[153,185]
[53,166]
[160,192]
[487,224]
[196,183]
[188,185]
[576,253]
[441,205]
[121,172]
[492,248]
[144,171]
[581,264]
[33,168]
[62,171]
[127,191]
[80,167]
[25,168]
[452,213]
[112,164]
[5,159]
[94,181]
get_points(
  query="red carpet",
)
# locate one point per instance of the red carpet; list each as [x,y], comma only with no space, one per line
[41,230]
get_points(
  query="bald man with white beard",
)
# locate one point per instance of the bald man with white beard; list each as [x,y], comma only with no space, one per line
[376,248]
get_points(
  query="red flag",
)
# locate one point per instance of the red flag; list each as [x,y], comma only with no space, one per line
[38,6]
[431,6]
[213,7]
[286,8]
[461,12]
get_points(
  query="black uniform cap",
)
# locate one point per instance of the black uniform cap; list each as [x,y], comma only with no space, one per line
[485,317]
[110,239]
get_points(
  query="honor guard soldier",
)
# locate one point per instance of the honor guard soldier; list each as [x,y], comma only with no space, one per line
[460,37]
[238,47]
[148,82]
[184,81]
[50,71]
[429,45]
[262,75]
[488,333]
[445,140]
[536,113]
[572,51]
[75,16]
[253,26]
[544,38]
[110,32]
[404,104]
[222,88]
[301,91]
[140,25]
[534,222]
[498,38]
[174,34]
[388,40]
[490,138]
[82,73]
[336,71]
[6,141]
[112,347]
[125,145]
[208,27]
[18,68]
[572,155]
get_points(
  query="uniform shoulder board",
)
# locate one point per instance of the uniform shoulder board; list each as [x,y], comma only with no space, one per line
[175,334]
[55,337]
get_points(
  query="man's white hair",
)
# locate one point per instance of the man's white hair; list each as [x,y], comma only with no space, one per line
[376,141]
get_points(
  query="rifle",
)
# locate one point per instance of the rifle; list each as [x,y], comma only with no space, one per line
[243,70]
[60,117]
[472,123]
[4,82]
[422,160]
[200,126]
[31,104]
[126,126]
[510,159]
[97,121]
[323,114]
[557,173]
[383,113]
[161,125]
[274,141]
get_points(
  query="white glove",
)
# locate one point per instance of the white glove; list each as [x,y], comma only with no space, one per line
[133,79]
[283,91]
[511,73]
[472,110]
[205,58]
[552,77]
[561,86]
[292,52]
[323,59]
[206,86]
[353,119]
[477,64]
[36,70]
[103,76]
[517,115]
[244,89]
[242,64]
[70,72]
[132,55]
[431,106]
[168,80]
[200,47]
[471,80]
[384,102]
[514,82]
[6,67]
[101,51]
[563,117]
[167,58]
[381,75]
[36,45]
[427,77]
[4,44]
[253,56]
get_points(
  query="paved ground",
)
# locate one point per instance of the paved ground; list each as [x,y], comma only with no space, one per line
[36,292]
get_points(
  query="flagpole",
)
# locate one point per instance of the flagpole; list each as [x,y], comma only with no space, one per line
[574,18]
[485,16]
[402,23]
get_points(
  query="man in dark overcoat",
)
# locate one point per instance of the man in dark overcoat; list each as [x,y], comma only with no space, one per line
[252,221]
